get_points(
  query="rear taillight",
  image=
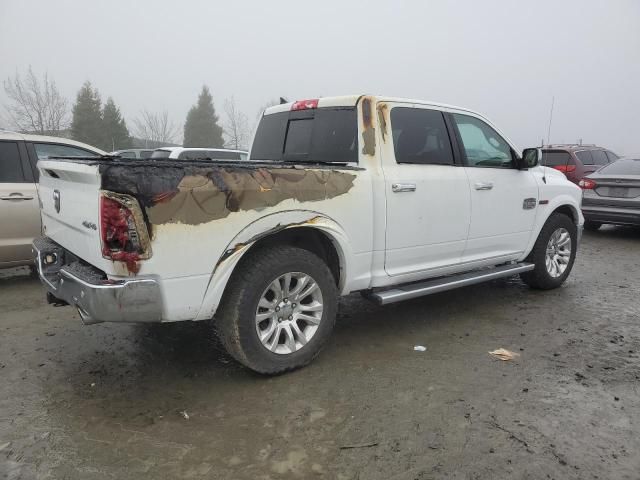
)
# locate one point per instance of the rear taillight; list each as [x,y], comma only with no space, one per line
[305,104]
[587,184]
[565,168]
[123,233]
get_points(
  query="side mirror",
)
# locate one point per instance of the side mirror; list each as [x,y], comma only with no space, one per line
[531,157]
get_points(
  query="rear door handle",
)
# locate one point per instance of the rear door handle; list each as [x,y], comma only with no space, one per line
[16,196]
[403,187]
[483,185]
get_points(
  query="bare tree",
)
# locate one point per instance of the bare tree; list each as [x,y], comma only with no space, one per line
[236,127]
[36,105]
[155,128]
[265,105]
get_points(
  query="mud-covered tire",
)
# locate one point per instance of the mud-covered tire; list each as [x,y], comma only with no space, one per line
[540,277]
[591,225]
[236,318]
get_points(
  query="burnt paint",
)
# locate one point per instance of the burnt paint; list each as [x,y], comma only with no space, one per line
[259,236]
[383,110]
[180,192]
[368,131]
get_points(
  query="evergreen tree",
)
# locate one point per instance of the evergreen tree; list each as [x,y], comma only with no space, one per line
[114,129]
[86,125]
[201,128]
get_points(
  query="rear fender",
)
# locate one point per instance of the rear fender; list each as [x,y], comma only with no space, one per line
[261,229]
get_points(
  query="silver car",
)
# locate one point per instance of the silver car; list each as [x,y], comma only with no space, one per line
[19,205]
[612,194]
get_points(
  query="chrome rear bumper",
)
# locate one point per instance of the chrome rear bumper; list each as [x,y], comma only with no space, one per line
[97,298]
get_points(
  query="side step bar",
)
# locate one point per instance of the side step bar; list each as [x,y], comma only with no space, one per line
[414,290]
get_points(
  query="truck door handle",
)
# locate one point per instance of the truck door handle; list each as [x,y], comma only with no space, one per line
[483,185]
[16,196]
[403,187]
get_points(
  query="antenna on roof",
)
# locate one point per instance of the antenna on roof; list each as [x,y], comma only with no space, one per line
[283,100]
[550,118]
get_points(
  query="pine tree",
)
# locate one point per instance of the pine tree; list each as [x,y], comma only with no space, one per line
[201,128]
[86,125]
[114,129]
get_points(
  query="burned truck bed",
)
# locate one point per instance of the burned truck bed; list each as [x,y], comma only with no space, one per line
[194,192]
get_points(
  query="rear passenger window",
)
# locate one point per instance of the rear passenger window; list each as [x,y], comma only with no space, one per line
[585,157]
[599,157]
[612,156]
[10,168]
[555,159]
[420,136]
[44,150]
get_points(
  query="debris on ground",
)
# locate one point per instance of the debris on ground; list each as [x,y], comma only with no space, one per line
[358,445]
[4,446]
[420,348]
[184,414]
[504,354]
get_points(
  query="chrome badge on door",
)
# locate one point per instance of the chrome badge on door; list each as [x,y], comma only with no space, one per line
[529,203]
[56,200]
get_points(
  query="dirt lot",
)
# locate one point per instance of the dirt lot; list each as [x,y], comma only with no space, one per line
[164,402]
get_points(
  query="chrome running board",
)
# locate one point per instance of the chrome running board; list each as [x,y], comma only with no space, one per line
[414,290]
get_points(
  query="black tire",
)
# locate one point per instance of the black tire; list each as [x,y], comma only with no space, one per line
[539,277]
[236,316]
[591,225]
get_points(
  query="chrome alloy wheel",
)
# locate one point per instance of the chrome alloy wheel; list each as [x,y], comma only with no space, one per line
[289,313]
[558,252]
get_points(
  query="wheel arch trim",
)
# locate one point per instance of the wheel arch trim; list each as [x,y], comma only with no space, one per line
[558,204]
[262,229]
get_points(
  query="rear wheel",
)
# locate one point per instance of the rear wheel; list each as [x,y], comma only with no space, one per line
[279,309]
[591,225]
[553,253]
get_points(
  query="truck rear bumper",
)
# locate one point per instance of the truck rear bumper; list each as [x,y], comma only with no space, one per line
[97,298]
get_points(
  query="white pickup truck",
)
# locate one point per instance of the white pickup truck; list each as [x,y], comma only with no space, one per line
[391,197]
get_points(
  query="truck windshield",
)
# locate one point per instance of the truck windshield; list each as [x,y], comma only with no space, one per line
[307,136]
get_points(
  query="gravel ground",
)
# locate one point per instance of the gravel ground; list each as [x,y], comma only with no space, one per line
[165,402]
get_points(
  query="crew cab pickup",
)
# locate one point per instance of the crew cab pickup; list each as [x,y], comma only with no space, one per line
[391,197]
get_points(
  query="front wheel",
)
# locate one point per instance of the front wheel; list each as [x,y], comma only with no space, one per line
[279,309]
[553,253]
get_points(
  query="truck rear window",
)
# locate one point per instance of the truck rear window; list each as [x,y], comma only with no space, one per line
[319,135]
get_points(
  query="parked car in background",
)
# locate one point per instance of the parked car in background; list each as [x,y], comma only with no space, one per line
[612,194]
[576,161]
[19,207]
[134,153]
[182,153]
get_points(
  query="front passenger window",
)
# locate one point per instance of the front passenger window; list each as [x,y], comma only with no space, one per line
[482,144]
[420,136]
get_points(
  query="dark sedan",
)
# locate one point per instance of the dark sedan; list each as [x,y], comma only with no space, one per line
[612,194]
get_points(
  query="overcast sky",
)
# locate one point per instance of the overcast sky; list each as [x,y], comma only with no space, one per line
[502,58]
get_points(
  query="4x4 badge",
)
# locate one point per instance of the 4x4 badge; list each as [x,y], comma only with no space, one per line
[529,203]
[56,200]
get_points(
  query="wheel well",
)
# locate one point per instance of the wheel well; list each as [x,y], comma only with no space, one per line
[308,238]
[568,211]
